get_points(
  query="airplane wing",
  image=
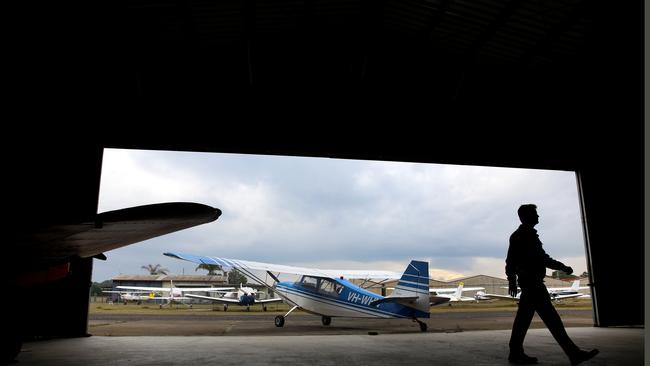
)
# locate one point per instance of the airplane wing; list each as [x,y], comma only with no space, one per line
[206,289]
[404,300]
[437,300]
[169,298]
[125,292]
[245,266]
[451,290]
[455,299]
[230,301]
[560,297]
[564,289]
[146,289]
[182,289]
[267,301]
[214,299]
[113,229]
[504,297]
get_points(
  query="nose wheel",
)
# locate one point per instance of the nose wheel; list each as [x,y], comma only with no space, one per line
[279,321]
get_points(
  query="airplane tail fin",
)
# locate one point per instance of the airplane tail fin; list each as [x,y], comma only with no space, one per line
[415,282]
[459,291]
[575,286]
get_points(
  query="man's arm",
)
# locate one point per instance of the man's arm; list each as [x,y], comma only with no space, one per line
[557,265]
[512,261]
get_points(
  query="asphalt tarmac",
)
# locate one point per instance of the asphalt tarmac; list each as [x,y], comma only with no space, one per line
[261,323]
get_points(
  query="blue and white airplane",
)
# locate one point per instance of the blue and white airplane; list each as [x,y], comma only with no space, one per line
[329,293]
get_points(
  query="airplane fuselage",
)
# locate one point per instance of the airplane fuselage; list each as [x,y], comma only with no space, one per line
[340,298]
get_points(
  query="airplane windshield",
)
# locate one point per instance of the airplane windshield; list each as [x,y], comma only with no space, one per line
[323,285]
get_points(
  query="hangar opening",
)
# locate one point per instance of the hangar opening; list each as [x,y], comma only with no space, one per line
[334,214]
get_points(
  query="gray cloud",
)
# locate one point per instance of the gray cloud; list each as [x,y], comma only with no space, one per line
[295,210]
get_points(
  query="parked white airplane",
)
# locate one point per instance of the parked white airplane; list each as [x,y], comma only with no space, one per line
[567,292]
[137,296]
[456,294]
[329,294]
[174,294]
[244,296]
[556,293]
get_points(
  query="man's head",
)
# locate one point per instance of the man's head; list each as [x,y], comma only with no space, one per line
[528,214]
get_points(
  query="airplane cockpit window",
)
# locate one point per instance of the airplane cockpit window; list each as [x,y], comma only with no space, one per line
[329,287]
[326,286]
[311,282]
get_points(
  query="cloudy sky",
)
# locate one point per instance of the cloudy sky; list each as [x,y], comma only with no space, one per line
[347,214]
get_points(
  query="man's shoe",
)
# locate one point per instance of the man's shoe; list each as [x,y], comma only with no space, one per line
[522,359]
[582,356]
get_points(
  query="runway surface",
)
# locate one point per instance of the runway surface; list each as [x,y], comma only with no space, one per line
[259,323]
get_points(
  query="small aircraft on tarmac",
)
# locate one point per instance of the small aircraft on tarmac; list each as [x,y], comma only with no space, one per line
[456,294]
[328,293]
[556,293]
[137,296]
[244,296]
[174,294]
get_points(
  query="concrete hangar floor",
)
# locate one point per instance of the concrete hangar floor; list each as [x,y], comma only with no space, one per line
[236,339]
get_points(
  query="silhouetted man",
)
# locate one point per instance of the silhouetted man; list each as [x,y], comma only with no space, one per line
[526,263]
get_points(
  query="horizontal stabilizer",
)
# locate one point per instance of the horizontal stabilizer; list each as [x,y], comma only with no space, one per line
[395,299]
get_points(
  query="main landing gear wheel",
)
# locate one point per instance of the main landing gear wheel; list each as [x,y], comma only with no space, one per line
[279,321]
[225,307]
[326,320]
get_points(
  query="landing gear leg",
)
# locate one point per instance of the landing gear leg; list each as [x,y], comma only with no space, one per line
[225,307]
[279,320]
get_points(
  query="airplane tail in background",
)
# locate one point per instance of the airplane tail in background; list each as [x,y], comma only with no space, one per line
[459,291]
[415,282]
[575,286]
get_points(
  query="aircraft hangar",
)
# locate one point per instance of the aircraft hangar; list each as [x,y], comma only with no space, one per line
[519,83]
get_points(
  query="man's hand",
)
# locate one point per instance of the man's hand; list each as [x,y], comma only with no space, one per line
[512,287]
[568,270]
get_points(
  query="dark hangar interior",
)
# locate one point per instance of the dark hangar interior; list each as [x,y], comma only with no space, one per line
[519,83]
